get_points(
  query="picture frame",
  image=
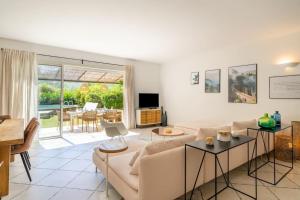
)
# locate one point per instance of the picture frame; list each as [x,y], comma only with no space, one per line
[284,87]
[194,78]
[213,81]
[242,84]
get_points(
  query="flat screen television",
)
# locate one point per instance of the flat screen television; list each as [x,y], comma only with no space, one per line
[148,100]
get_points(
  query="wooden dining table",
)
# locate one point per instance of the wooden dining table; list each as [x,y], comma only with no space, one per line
[11,133]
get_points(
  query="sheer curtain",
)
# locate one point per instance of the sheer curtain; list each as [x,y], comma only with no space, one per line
[18,84]
[129,113]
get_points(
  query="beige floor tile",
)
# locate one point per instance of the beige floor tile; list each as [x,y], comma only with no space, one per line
[59,178]
[72,194]
[15,190]
[37,193]
[286,193]
[88,181]
[50,153]
[86,155]
[262,192]
[285,182]
[76,165]
[70,154]
[113,195]
[91,168]
[15,171]
[54,163]
[35,161]
[36,175]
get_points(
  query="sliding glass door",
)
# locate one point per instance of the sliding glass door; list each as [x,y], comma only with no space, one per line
[50,100]
[74,99]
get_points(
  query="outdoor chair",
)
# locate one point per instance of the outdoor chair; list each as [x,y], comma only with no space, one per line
[87,117]
[66,118]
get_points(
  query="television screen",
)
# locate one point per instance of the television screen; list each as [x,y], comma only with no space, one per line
[148,100]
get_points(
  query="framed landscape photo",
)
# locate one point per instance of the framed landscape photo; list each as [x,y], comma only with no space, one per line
[212,81]
[242,84]
[195,78]
[284,87]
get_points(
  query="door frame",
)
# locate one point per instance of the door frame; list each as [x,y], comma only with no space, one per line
[61,102]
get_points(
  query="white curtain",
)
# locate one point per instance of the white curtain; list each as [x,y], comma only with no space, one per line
[129,113]
[18,84]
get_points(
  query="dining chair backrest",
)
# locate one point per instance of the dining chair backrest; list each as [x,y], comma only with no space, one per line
[30,135]
[89,106]
[29,125]
[89,115]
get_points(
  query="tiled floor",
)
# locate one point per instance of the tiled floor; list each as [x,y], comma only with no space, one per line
[62,169]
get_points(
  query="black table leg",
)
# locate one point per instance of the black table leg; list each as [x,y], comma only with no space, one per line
[216,176]
[198,174]
[256,170]
[184,172]
[274,159]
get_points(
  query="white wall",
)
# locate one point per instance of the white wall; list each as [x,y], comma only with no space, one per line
[186,102]
[147,75]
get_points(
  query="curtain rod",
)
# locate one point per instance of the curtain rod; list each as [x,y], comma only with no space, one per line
[82,60]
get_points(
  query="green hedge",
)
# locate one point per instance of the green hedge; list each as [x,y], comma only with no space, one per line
[108,96]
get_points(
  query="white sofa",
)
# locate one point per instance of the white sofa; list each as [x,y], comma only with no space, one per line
[161,174]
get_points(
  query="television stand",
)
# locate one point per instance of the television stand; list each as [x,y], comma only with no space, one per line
[148,117]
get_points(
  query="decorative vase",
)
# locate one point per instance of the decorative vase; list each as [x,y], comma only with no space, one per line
[162,115]
[266,121]
[165,119]
[277,118]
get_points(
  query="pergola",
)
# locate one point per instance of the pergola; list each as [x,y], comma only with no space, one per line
[79,74]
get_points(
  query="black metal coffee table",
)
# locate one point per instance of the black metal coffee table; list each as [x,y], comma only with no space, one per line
[218,148]
[273,131]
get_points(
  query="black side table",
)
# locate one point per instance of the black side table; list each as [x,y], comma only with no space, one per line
[274,131]
[218,148]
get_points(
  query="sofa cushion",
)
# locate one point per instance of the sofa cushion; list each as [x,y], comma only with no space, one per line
[211,132]
[133,146]
[134,157]
[159,146]
[119,164]
[240,125]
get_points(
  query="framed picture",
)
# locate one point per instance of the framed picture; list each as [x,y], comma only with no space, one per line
[284,87]
[195,78]
[242,84]
[212,81]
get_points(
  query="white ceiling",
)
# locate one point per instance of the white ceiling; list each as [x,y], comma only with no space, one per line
[151,30]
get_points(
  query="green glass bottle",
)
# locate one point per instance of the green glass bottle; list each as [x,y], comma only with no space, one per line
[266,121]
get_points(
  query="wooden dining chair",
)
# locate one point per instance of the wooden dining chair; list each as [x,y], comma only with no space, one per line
[22,149]
[87,117]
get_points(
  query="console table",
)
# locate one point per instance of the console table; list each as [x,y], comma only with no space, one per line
[145,117]
[218,148]
[273,131]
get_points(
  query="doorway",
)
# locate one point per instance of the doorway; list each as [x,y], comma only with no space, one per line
[74,99]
